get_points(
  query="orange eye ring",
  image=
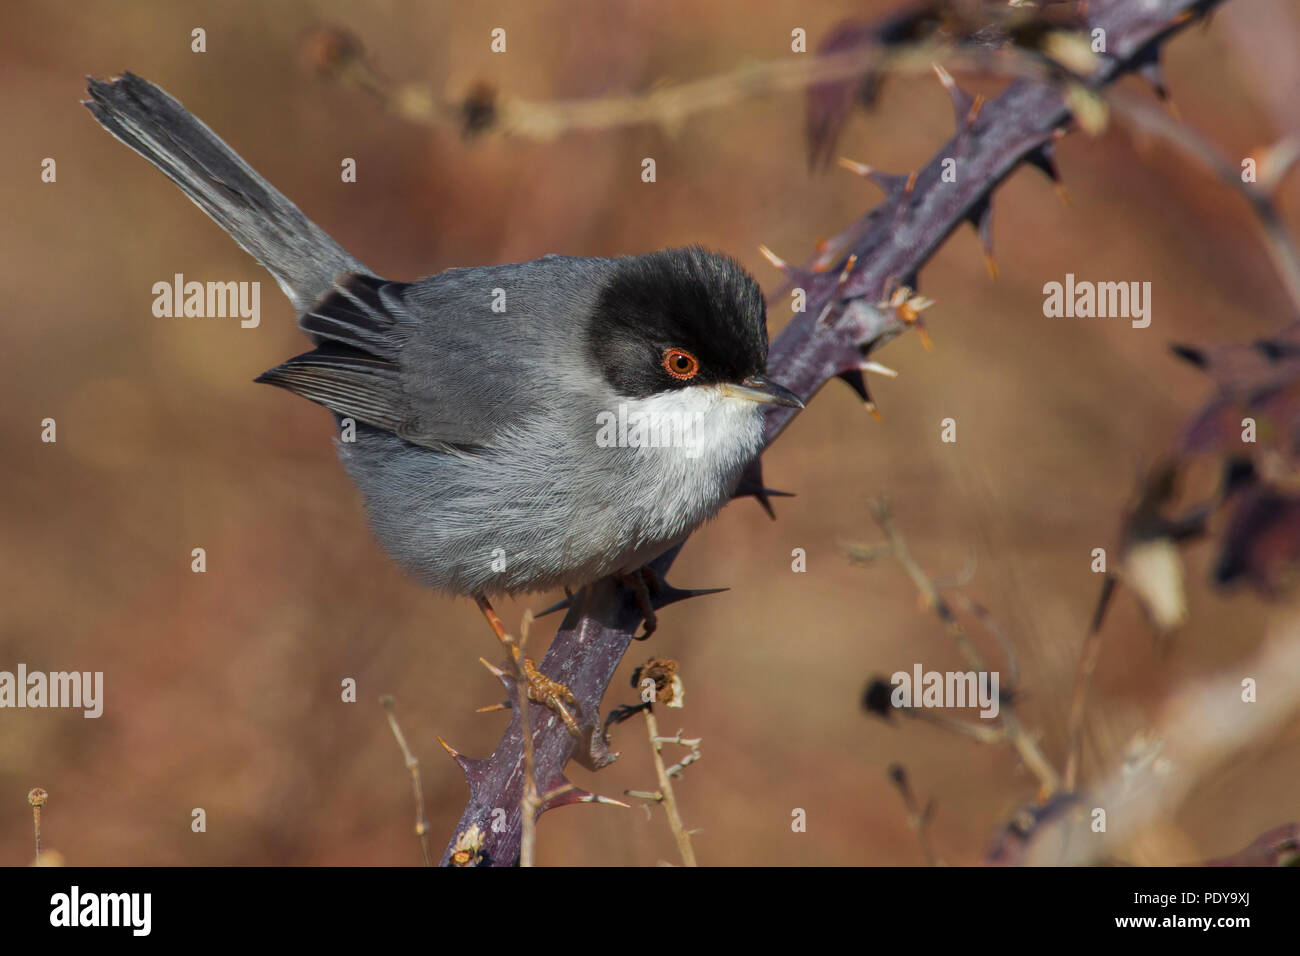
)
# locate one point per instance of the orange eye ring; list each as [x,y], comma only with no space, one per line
[681,364]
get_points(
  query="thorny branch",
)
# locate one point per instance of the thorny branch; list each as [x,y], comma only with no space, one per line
[854,307]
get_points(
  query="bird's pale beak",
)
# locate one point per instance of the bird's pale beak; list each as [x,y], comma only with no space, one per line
[760,388]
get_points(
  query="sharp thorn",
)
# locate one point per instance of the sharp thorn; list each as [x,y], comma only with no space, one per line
[1150,71]
[668,594]
[773,258]
[861,169]
[847,271]
[560,795]
[981,217]
[964,107]
[473,769]
[888,182]
[1190,354]
[908,306]
[557,606]
[567,794]
[878,369]
[764,497]
[761,494]
[751,484]
[495,671]
[855,380]
[608,801]
[926,342]
[490,708]
[1043,159]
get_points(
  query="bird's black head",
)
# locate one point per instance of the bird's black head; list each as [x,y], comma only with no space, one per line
[676,319]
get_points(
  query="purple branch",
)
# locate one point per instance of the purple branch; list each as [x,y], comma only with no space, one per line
[845,319]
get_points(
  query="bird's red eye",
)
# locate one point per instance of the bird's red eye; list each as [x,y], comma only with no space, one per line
[681,364]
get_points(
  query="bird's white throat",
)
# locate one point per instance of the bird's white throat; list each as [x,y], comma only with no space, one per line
[698,422]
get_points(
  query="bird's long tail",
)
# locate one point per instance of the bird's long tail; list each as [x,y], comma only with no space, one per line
[304,260]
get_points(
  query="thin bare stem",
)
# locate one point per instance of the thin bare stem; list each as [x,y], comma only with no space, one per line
[530,803]
[669,799]
[918,817]
[668,105]
[1030,753]
[36,799]
[1088,657]
[413,766]
[981,732]
[1259,195]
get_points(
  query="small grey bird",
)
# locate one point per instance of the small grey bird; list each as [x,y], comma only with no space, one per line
[518,427]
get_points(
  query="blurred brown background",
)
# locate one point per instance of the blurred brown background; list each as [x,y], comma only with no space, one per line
[222,689]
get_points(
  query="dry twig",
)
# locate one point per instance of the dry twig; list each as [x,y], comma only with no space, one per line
[1012,730]
[36,799]
[1260,195]
[413,766]
[918,817]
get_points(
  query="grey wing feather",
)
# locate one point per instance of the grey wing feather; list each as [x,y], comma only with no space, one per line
[361,312]
[434,362]
[488,347]
[349,383]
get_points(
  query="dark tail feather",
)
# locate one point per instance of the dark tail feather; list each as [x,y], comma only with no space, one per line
[298,253]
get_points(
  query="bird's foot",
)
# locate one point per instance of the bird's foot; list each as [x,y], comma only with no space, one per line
[540,689]
[644,582]
[552,694]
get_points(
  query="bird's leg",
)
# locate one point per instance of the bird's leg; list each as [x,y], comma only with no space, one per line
[540,688]
[643,582]
[494,622]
